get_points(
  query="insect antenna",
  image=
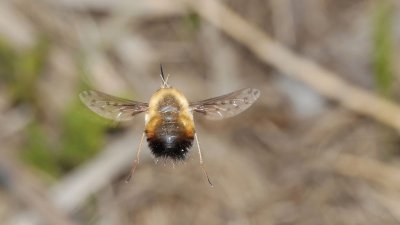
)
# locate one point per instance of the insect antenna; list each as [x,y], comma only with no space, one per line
[162,72]
[201,161]
[164,80]
[135,161]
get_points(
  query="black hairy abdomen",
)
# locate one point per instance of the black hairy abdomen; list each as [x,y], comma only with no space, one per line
[170,141]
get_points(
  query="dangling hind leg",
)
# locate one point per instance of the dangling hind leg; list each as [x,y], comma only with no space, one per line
[135,161]
[201,161]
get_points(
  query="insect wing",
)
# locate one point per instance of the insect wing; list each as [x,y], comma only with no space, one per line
[226,106]
[111,107]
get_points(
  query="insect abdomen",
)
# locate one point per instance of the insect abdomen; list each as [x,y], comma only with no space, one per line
[170,140]
[169,127]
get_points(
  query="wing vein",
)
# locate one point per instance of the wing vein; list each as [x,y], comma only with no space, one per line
[111,107]
[226,106]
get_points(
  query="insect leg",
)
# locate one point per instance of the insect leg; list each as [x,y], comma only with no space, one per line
[201,161]
[135,161]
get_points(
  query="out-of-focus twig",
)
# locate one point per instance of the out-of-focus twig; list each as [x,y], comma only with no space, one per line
[74,189]
[12,122]
[368,169]
[149,8]
[14,27]
[283,21]
[374,171]
[325,82]
[27,190]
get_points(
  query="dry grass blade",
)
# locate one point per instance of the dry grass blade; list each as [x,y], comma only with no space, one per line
[325,82]
[369,169]
[73,190]
[31,193]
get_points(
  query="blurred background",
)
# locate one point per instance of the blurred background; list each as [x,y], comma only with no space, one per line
[302,154]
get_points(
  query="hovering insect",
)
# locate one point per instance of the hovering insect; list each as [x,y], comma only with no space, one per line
[169,125]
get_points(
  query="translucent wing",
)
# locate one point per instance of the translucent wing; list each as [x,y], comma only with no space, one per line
[226,106]
[111,107]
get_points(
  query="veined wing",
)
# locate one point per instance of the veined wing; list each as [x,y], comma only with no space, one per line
[226,106]
[111,107]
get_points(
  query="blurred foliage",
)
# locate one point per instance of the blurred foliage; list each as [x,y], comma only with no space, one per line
[21,69]
[192,22]
[37,150]
[383,46]
[82,133]
[8,57]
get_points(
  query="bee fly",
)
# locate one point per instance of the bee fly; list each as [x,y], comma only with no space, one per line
[169,125]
